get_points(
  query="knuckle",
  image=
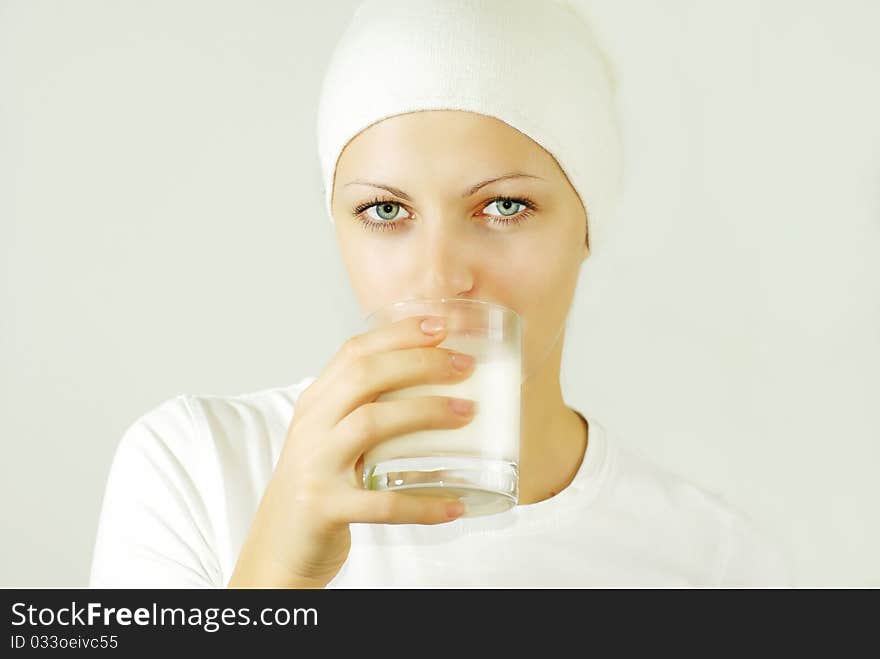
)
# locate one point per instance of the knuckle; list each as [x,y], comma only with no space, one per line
[351,349]
[364,421]
[304,399]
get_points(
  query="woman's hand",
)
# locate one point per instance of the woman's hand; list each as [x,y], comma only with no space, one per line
[300,535]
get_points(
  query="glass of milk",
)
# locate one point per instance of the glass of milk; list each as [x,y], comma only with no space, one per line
[478,462]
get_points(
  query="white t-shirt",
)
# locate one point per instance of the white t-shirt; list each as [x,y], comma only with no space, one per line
[187,478]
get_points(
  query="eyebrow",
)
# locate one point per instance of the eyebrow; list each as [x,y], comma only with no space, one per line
[467,193]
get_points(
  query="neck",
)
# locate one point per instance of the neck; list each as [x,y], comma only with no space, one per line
[553,437]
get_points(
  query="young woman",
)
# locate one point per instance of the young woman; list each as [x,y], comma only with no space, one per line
[469,150]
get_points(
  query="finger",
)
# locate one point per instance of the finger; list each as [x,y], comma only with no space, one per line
[375,422]
[405,333]
[371,507]
[383,372]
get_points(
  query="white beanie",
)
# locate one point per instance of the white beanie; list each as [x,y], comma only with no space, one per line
[533,64]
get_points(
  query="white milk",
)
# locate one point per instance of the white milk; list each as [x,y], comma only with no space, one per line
[492,433]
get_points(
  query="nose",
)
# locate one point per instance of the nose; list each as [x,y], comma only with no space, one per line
[442,265]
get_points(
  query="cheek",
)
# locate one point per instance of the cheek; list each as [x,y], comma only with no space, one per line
[370,276]
[533,274]
[539,283]
[375,280]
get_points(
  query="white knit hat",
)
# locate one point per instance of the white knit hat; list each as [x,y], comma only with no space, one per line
[533,64]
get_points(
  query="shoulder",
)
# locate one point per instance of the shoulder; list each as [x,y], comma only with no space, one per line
[200,442]
[242,423]
[700,523]
[659,490]
[184,480]
[188,424]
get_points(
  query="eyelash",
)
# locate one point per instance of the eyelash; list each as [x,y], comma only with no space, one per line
[393,225]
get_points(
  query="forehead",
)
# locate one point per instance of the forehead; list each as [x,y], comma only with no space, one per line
[452,137]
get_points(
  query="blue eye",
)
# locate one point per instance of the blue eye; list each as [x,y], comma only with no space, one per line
[387,210]
[506,205]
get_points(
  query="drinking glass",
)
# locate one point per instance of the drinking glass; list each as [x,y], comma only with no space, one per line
[477,463]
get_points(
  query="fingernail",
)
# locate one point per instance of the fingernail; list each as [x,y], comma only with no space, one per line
[461,405]
[461,361]
[433,325]
[453,510]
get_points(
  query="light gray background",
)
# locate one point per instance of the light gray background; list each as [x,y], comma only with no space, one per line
[162,232]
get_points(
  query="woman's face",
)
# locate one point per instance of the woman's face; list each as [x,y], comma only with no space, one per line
[516,241]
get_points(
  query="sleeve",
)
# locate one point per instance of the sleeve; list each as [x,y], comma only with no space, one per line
[751,559]
[154,529]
